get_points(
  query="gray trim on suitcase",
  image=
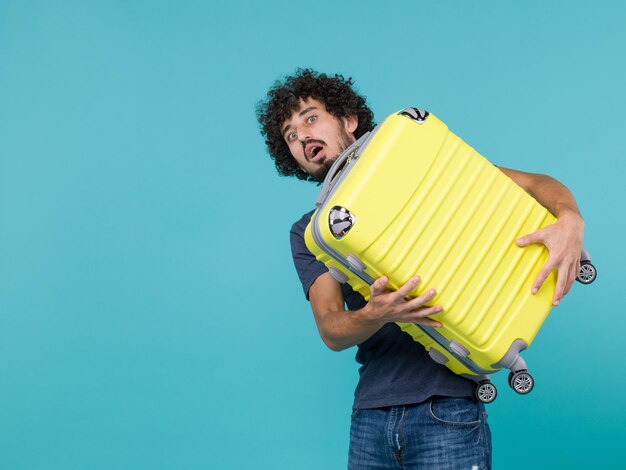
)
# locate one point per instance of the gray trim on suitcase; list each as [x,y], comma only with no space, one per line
[337,171]
[512,359]
[445,343]
[475,378]
[437,356]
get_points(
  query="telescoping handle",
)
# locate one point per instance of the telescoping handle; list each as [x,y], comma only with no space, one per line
[349,154]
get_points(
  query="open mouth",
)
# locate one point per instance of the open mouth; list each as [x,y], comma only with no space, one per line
[314,151]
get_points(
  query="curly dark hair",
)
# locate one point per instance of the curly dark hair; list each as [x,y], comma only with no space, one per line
[335,92]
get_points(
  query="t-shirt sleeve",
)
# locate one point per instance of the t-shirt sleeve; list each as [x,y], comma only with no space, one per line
[307,266]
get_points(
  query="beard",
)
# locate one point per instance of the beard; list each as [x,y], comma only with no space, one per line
[319,174]
[344,142]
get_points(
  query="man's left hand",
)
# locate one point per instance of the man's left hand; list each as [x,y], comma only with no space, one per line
[564,242]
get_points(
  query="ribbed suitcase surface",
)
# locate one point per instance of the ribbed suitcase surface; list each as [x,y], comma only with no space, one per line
[422,201]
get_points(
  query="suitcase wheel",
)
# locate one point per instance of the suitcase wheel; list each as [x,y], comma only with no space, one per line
[485,391]
[587,273]
[521,381]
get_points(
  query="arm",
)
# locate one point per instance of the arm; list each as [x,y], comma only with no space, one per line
[341,329]
[563,238]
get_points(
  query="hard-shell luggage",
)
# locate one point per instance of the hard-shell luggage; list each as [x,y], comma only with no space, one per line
[410,197]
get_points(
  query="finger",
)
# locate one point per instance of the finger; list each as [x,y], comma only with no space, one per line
[571,280]
[568,279]
[570,283]
[543,275]
[409,286]
[418,302]
[378,287]
[561,284]
[529,239]
[414,315]
[573,276]
[428,322]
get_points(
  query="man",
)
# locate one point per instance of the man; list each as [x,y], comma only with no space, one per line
[409,412]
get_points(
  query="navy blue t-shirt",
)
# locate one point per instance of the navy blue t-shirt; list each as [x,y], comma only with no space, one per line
[395,370]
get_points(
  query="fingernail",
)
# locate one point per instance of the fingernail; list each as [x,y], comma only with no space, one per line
[556,303]
[431,292]
[534,290]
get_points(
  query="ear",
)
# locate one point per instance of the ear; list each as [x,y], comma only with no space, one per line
[350,123]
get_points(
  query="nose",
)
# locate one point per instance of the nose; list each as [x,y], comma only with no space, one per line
[304,134]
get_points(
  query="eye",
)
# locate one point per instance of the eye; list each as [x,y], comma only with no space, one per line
[291,136]
[311,119]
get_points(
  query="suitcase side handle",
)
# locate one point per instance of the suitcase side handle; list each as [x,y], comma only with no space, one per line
[348,155]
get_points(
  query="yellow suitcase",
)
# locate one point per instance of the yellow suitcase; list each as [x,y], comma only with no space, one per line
[410,198]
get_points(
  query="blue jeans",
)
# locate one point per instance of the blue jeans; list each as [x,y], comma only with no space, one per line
[439,434]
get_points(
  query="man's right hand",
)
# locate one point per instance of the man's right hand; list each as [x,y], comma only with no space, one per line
[391,306]
[341,329]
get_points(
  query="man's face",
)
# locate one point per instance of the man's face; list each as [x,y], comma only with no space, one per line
[316,138]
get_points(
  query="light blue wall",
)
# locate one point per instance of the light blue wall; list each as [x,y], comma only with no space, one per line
[150,316]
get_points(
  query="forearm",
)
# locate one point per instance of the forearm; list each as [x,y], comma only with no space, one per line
[343,329]
[549,192]
[554,196]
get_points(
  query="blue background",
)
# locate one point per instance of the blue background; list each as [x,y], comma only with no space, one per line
[150,313]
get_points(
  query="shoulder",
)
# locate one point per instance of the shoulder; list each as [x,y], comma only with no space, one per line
[299,226]
[307,266]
